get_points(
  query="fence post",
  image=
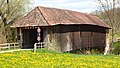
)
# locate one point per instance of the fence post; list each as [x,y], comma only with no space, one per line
[41,45]
[35,47]
[14,45]
[9,46]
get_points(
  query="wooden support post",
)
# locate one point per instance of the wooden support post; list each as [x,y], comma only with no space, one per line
[14,46]
[35,47]
[38,34]
[41,45]
[21,39]
[8,46]
[107,48]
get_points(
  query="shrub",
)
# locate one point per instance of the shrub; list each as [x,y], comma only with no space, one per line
[116,46]
[95,51]
[86,51]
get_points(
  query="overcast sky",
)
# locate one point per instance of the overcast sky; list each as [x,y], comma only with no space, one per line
[76,5]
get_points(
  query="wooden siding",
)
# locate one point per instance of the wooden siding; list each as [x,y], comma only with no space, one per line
[67,38]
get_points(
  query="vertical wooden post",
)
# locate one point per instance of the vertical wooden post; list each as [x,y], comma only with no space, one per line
[107,48]
[14,45]
[38,34]
[41,45]
[35,47]
[9,46]
[21,40]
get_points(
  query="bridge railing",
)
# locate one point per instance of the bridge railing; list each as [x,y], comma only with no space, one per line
[38,45]
[9,45]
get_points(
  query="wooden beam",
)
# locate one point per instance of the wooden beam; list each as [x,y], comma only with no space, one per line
[21,37]
[107,48]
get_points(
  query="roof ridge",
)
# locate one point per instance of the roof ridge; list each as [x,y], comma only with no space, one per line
[42,15]
[61,9]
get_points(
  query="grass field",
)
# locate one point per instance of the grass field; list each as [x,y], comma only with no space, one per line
[51,59]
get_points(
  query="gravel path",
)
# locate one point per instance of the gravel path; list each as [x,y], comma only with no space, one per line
[14,50]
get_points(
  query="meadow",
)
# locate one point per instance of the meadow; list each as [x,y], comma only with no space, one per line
[50,59]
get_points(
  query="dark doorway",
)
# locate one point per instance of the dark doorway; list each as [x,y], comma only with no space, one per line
[29,38]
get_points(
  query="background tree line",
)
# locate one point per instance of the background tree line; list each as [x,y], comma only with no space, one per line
[109,11]
[10,11]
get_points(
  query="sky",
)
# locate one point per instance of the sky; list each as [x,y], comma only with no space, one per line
[86,6]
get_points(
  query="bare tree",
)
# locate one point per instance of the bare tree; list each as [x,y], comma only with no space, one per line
[11,10]
[111,15]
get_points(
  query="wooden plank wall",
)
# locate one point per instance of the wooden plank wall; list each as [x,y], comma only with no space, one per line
[67,38]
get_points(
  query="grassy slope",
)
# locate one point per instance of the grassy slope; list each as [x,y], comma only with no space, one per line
[49,59]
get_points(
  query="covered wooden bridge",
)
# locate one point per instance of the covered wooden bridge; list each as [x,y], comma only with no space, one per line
[61,30]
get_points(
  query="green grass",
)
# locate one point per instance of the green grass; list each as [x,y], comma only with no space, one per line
[50,59]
